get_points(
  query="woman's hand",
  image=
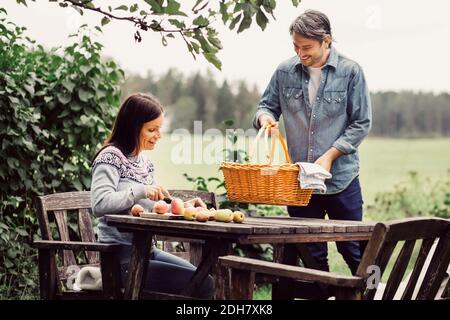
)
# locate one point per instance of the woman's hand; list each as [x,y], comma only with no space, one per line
[196,202]
[156,193]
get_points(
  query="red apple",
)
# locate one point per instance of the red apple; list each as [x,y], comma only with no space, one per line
[177,206]
[202,216]
[161,207]
[136,210]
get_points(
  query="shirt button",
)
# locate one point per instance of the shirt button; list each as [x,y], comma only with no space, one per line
[312,132]
[317,98]
[314,115]
[306,81]
[296,96]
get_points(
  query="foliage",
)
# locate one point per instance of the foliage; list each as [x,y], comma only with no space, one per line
[56,108]
[418,196]
[18,271]
[168,18]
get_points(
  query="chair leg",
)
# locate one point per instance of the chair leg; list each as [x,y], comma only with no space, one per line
[47,274]
[242,285]
[111,281]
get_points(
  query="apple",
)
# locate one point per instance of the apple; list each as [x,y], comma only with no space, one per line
[136,210]
[238,217]
[202,216]
[224,215]
[161,207]
[177,206]
[212,213]
[190,213]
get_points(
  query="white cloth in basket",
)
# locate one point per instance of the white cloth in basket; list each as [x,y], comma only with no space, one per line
[312,176]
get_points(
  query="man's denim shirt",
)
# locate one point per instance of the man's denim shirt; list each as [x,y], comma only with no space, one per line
[340,116]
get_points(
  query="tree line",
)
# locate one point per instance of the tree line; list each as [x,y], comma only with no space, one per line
[187,98]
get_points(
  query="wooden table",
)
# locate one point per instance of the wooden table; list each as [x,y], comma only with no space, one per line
[218,239]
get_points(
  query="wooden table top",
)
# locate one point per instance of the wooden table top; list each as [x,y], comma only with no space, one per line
[252,230]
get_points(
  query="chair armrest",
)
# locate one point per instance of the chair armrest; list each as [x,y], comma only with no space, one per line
[74,245]
[293,272]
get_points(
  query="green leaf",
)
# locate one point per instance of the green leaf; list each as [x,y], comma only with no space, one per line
[177,23]
[84,95]
[134,7]
[235,21]
[69,85]
[69,167]
[22,232]
[155,6]
[261,19]
[64,97]
[295,3]
[245,23]
[8,264]
[212,58]
[200,21]
[105,21]
[122,7]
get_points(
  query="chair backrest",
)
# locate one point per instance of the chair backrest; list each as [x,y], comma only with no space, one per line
[62,206]
[434,233]
[78,204]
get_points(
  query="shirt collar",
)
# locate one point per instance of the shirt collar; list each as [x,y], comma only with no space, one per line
[332,60]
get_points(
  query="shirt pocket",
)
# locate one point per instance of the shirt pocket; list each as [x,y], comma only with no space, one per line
[334,103]
[293,98]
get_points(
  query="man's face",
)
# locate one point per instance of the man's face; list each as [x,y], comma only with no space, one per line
[311,52]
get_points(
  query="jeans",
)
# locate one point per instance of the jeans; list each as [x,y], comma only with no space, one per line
[345,205]
[167,273]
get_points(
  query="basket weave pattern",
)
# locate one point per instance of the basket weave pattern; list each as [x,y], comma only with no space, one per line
[265,183]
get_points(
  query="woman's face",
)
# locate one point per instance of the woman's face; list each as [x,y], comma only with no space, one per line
[150,133]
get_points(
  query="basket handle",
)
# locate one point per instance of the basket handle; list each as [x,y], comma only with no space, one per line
[269,154]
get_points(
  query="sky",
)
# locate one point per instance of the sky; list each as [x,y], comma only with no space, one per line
[401,45]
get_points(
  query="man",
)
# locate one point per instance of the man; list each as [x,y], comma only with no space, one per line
[326,107]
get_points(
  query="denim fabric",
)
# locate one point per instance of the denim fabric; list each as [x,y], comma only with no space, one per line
[167,273]
[346,205]
[340,116]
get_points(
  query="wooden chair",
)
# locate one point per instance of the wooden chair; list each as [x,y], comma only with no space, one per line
[379,251]
[63,251]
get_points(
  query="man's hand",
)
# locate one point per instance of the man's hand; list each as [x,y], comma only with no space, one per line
[327,159]
[266,120]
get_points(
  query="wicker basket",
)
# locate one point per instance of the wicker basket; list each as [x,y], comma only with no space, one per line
[265,183]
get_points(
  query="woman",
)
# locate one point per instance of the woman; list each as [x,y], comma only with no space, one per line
[122,177]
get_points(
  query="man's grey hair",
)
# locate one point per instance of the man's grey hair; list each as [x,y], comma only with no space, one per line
[312,24]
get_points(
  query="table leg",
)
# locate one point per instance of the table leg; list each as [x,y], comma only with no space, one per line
[212,250]
[284,288]
[137,267]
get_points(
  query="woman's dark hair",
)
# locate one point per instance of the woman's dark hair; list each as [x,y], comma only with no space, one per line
[311,24]
[136,110]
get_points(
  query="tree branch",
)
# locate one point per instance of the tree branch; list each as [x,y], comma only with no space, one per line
[143,25]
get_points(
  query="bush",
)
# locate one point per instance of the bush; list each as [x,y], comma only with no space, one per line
[418,196]
[56,109]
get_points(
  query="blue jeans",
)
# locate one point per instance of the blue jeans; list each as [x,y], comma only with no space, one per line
[167,273]
[345,205]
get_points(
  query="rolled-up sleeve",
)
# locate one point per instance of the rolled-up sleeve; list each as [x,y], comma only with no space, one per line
[270,102]
[359,110]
